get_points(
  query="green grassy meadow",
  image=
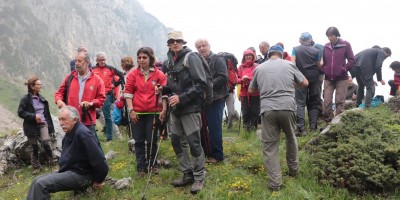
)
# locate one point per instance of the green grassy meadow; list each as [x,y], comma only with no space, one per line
[240,176]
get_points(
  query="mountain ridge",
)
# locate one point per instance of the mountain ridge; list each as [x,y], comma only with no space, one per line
[41,37]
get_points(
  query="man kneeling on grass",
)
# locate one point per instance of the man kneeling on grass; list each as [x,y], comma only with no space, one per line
[82,162]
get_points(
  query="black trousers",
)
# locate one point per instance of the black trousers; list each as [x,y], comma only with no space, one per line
[146,137]
[250,111]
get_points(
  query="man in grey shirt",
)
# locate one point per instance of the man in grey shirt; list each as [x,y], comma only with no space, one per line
[275,80]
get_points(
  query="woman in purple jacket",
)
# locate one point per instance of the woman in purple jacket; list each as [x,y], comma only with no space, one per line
[336,52]
[38,125]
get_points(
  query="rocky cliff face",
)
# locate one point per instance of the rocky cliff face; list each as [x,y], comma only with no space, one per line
[41,36]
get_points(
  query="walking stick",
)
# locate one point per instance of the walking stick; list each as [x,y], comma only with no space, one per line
[151,149]
[127,115]
[240,121]
[205,136]
[149,174]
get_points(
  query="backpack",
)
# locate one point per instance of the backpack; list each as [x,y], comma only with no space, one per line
[117,115]
[231,64]
[120,116]
[209,94]
[66,91]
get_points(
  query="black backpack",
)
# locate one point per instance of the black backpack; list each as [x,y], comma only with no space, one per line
[209,94]
[66,90]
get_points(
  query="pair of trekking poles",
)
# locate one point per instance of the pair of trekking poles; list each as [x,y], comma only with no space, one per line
[163,133]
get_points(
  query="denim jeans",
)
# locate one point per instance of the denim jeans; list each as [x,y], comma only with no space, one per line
[214,115]
[107,116]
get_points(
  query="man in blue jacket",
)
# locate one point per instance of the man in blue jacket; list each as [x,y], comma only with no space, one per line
[82,162]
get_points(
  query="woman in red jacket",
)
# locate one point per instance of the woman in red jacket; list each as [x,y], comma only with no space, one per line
[250,103]
[145,109]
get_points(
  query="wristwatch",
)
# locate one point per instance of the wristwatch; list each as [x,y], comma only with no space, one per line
[130,110]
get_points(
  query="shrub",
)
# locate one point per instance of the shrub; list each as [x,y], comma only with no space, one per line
[362,153]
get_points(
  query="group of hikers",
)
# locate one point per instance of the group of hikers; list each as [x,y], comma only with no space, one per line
[189,91]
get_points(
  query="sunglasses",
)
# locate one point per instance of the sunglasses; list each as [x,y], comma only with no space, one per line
[173,41]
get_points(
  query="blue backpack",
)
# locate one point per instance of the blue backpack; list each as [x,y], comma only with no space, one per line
[376,101]
[117,115]
[120,116]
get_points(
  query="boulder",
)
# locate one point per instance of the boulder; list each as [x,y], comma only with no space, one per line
[16,150]
[394,103]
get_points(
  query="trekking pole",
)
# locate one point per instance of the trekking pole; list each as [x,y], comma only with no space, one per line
[226,118]
[149,174]
[153,131]
[129,119]
[151,148]
[240,121]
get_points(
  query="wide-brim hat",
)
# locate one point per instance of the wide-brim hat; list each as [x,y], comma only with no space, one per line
[176,35]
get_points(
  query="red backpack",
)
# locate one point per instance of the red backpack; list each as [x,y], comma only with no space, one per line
[231,63]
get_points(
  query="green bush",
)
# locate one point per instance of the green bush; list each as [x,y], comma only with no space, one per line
[362,153]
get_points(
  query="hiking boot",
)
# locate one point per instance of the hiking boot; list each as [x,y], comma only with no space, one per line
[155,170]
[186,179]
[212,161]
[141,174]
[197,186]
[36,171]
[301,133]
[292,173]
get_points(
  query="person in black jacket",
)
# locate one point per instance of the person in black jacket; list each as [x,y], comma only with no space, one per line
[34,109]
[214,112]
[368,62]
[82,163]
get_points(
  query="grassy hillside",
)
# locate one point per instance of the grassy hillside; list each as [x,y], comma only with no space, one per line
[12,93]
[240,176]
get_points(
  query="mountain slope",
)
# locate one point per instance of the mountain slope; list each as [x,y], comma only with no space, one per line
[41,37]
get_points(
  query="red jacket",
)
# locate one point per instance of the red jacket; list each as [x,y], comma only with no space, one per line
[143,92]
[246,69]
[107,73]
[93,92]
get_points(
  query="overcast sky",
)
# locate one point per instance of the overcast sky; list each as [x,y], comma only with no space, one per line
[234,25]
